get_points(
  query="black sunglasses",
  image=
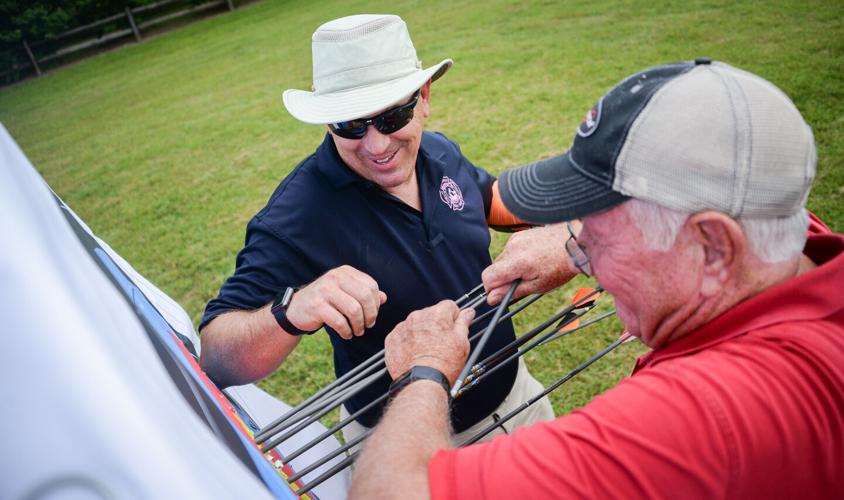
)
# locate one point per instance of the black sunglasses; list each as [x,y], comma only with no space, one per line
[387,122]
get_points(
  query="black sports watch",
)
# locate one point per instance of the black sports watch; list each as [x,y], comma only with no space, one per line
[279,310]
[419,372]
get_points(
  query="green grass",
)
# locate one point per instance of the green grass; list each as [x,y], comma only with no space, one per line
[168,147]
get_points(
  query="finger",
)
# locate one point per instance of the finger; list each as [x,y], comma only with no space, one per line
[351,309]
[492,276]
[333,318]
[461,318]
[526,287]
[449,307]
[455,311]
[364,287]
[368,301]
[365,279]
[379,298]
[498,277]
[464,319]
[495,296]
[364,282]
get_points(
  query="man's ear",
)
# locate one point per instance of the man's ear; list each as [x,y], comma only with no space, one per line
[724,245]
[425,100]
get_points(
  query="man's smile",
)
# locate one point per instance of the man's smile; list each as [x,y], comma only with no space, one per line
[385,160]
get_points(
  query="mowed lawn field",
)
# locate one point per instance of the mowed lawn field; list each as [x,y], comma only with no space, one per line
[168,147]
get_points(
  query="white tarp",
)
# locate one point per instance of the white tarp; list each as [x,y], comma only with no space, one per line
[88,409]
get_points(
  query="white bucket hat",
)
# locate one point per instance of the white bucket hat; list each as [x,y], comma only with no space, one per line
[362,64]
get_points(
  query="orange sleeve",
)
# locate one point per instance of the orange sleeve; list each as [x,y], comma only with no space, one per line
[500,218]
[816,225]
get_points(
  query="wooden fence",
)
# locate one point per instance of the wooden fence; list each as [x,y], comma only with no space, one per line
[69,42]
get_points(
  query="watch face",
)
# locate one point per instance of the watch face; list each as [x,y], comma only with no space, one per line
[288,296]
[282,300]
[276,303]
[279,309]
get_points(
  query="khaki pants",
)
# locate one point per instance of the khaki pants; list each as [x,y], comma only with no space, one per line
[524,388]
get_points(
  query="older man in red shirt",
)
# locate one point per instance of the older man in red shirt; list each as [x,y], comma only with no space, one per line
[691,180]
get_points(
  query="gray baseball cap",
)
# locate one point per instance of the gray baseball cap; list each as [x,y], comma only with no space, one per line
[690,136]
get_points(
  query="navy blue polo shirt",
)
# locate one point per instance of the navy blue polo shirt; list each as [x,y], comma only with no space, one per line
[324,215]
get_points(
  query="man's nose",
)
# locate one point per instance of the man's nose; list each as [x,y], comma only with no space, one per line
[374,141]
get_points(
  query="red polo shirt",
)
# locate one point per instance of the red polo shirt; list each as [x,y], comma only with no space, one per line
[749,406]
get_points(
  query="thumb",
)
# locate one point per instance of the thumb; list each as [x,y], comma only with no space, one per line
[382,296]
[490,277]
[464,320]
[494,296]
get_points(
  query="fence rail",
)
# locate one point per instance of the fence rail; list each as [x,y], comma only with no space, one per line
[34,60]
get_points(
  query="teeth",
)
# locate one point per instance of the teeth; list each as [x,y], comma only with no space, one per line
[385,160]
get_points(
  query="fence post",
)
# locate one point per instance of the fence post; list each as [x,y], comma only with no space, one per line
[32,58]
[133,25]
[231,5]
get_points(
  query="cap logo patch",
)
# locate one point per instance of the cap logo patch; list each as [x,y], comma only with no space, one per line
[591,121]
[451,195]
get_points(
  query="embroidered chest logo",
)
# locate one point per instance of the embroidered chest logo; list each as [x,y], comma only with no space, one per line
[450,194]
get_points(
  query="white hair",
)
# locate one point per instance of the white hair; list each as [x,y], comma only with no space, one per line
[771,239]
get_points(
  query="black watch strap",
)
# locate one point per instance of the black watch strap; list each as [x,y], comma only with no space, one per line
[279,311]
[420,373]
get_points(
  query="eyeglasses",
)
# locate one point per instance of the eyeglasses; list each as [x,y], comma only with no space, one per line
[387,122]
[577,253]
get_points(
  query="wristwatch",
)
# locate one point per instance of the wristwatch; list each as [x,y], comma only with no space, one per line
[419,372]
[279,310]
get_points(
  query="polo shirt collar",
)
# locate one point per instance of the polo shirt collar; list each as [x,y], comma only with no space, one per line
[330,164]
[435,156]
[812,295]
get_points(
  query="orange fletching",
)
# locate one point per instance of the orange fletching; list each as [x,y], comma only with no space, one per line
[571,326]
[583,293]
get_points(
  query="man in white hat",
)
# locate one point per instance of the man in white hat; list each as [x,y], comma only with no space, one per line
[382,219]
[691,179]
